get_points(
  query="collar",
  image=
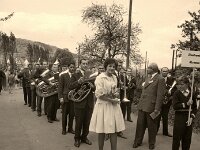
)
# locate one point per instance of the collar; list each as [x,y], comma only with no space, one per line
[153,75]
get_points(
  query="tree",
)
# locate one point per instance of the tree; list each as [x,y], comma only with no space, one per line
[110,38]
[8,45]
[190,30]
[36,52]
[64,56]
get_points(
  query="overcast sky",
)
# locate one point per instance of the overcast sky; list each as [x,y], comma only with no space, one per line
[58,22]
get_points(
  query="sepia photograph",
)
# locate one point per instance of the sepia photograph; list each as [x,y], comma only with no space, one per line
[99,74]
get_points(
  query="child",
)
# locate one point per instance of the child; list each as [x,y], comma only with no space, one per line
[11,81]
[182,131]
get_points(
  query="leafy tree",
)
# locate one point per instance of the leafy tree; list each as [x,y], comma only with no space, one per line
[36,52]
[110,38]
[64,56]
[190,30]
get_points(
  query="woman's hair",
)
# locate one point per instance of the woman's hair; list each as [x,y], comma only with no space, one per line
[183,79]
[110,61]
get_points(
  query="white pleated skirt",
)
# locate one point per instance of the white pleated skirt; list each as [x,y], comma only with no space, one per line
[107,118]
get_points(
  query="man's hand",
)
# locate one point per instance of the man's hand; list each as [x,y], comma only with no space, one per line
[189,122]
[190,102]
[80,81]
[61,101]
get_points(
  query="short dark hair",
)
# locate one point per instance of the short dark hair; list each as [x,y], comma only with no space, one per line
[80,61]
[71,63]
[109,61]
[164,68]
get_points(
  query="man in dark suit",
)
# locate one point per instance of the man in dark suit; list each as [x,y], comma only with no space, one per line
[40,72]
[83,110]
[25,75]
[67,105]
[130,92]
[2,77]
[149,106]
[167,101]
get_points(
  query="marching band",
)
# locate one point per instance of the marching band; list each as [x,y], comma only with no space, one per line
[82,97]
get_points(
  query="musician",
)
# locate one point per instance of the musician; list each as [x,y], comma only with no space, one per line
[120,84]
[33,87]
[25,75]
[83,110]
[182,131]
[39,74]
[130,92]
[107,117]
[52,101]
[167,101]
[149,106]
[67,105]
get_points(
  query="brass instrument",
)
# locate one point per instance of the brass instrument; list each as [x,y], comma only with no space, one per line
[168,94]
[79,94]
[125,99]
[45,90]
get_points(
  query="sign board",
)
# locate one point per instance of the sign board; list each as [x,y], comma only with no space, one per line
[190,59]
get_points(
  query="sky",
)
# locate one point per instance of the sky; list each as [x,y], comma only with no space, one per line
[58,22]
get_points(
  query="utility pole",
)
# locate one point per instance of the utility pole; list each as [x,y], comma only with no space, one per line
[129,34]
[79,55]
[173,60]
[145,68]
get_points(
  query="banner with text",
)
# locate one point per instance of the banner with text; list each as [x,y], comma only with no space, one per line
[190,59]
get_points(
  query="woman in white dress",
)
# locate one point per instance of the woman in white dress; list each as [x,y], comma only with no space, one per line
[107,117]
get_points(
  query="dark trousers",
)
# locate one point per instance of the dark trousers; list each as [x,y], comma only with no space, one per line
[25,94]
[1,85]
[82,122]
[39,104]
[164,116]
[144,121]
[28,90]
[67,111]
[33,98]
[126,108]
[181,132]
[52,106]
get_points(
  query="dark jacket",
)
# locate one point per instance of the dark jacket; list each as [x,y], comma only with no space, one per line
[180,102]
[63,86]
[152,94]
[89,100]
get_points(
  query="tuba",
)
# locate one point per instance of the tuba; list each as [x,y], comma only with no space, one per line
[79,94]
[45,90]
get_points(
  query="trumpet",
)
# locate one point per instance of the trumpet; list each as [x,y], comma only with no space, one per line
[125,99]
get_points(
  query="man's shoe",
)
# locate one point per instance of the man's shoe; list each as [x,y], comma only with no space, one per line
[86,141]
[71,131]
[29,105]
[151,147]
[77,143]
[64,132]
[129,120]
[39,114]
[50,121]
[169,135]
[56,120]
[25,103]
[135,145]
[120,134]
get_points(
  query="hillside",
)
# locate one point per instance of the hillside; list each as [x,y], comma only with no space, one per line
[22,46]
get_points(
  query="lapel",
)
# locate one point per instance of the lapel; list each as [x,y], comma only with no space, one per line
[150,81]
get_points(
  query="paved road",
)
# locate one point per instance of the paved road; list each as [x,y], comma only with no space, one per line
[21,129]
